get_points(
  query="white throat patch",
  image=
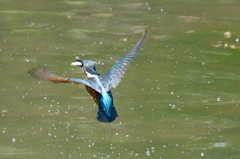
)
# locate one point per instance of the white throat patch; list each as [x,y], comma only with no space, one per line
[89,75]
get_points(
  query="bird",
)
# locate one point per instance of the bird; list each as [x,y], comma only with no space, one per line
[98,85]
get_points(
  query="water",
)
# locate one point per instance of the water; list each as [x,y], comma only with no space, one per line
[179,97]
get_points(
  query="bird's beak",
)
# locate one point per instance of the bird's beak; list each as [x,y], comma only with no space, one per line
[77,64]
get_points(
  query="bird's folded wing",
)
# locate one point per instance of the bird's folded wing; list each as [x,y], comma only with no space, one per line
[43,74]
[113,76]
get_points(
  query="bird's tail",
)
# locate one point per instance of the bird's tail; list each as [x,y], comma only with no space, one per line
[106,110]
[102,115]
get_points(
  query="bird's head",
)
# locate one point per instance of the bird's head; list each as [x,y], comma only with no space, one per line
[88,66]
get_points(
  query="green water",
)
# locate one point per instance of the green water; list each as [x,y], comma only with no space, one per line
[178,99]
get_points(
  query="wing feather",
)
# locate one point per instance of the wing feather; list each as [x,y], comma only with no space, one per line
[43,74]
[113,76]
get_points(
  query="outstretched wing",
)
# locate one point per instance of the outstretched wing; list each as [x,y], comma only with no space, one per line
[113,76]
[43,74]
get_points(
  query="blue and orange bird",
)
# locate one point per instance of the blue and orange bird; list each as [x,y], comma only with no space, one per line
[97,85]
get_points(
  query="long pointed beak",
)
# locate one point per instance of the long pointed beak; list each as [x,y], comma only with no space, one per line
[77,64]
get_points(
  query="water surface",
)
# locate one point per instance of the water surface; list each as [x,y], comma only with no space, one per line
[179,97]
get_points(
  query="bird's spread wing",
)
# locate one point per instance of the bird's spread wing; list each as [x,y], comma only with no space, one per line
[113,76]
[43,74]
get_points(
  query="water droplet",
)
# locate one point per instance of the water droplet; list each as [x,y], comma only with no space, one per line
[13,140]
[148,153]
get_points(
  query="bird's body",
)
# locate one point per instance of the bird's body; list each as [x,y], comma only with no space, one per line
[106,110]
[104,102]
[97,85]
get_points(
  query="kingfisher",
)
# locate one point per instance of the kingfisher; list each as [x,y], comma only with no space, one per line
[98,85]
